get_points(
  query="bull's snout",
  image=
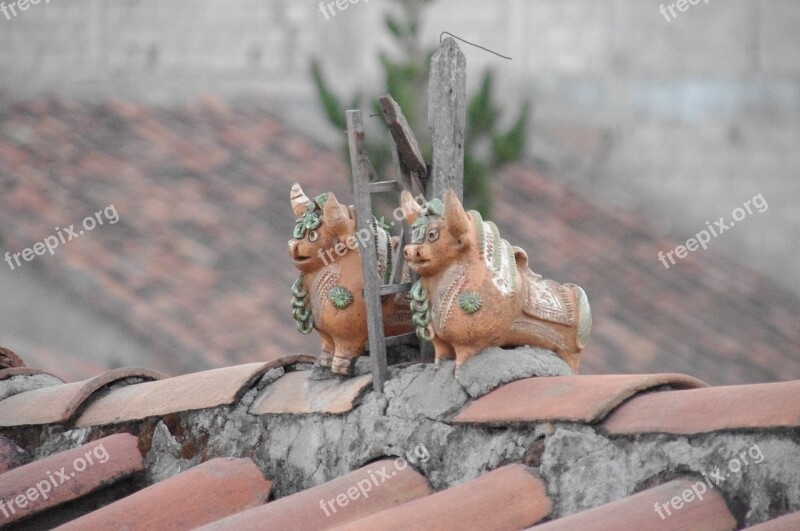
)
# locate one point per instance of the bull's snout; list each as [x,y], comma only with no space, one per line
[411,252]
[292,246]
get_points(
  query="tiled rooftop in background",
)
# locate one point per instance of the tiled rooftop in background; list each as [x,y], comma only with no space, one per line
[197,266]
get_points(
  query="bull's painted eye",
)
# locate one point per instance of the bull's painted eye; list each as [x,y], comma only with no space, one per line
[312,235]
[432,235]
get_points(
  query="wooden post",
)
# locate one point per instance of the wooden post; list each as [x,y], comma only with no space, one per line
[447,115]
[369,260]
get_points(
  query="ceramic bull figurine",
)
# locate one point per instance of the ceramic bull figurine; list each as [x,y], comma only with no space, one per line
[327,297]
[476,290]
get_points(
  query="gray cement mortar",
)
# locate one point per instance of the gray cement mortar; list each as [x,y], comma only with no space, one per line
[582,466]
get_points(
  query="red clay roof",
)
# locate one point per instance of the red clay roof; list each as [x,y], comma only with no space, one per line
[197,266]
[317,508]
[711,409]
[203,494]
[639,511]
[55,480]
[58,403]
[510,497]
[567,398]
[183,393]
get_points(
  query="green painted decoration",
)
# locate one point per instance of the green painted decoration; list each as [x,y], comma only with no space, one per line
[310,220]
[340,297]
[470,301]
[422,312]
[300,308]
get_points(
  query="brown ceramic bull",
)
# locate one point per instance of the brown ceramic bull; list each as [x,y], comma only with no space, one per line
[476,290]
[328,295]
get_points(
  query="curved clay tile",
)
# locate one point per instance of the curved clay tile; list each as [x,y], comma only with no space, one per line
[200,390]
[205,493]
[297,394]
[11,455]
[57,404]
[770,405]
[9,360]
[368,490]
[661,508]
[507,498]
[66,476]
[565,398]
[788,521]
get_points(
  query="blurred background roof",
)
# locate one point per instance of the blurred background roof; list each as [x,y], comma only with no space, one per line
[193,119]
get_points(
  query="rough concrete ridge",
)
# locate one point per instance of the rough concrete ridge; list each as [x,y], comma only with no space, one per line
[581,464]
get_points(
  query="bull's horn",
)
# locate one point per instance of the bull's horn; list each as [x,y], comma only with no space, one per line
[299,200]
[457,219]
[335,215]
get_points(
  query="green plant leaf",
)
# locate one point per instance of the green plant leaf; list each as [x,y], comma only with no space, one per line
[510,146]
[481,114]
[394,27]
[330,103]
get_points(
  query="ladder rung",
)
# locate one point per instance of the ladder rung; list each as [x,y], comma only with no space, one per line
[383,186]
[389,289]
[399,340]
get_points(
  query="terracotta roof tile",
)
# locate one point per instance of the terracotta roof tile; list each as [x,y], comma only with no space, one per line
[566,398]
[362,492]
[66,476]
[507,498]
[639,511]
[57,404]
[11,455]
[295,393]
[9,359]
[189,392]
[203,494]
[772,405]
[787,522]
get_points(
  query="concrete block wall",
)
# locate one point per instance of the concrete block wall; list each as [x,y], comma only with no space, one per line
[682,120]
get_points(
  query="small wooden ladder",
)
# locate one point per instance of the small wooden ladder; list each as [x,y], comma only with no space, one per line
[411,170]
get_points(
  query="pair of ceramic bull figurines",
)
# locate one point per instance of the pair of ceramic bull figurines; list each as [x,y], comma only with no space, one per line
[475,290]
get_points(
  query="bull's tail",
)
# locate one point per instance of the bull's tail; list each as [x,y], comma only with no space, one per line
[584,316]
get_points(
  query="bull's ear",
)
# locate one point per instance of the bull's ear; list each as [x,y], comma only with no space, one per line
[299,200]
[454,214]
[409,206]
[336,216]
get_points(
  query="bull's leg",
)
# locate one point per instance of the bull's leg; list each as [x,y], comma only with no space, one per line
[463,353]
[442,350]
[347,351]
[573,359]
[328,349]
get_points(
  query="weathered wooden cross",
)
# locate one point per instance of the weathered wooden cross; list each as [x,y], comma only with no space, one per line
[446,119]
